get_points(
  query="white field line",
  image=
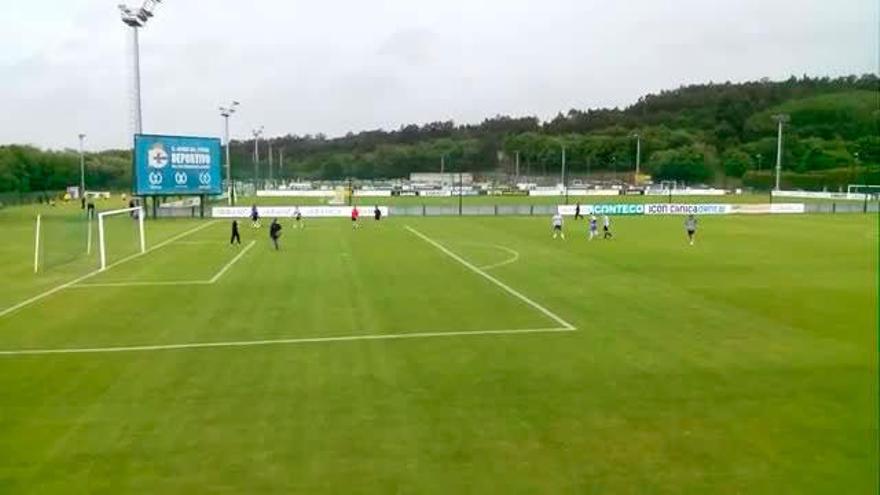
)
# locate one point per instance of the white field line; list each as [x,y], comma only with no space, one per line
[170,282]
[507,288]
[142,284]
[231,262]
[252,343]
[512,259]
[89,275]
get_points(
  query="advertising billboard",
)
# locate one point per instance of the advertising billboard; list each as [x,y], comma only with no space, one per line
[176,165]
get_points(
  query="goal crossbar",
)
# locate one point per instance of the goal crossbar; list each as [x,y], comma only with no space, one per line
[101,240]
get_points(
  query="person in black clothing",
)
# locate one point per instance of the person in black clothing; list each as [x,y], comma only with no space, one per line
[377,213]
[577,211]
[255,217]
[275,232]
[236,238]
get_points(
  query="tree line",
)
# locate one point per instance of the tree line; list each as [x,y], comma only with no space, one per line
[713,132]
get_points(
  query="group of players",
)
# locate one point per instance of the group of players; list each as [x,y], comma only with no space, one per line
[690,225]
[275,226]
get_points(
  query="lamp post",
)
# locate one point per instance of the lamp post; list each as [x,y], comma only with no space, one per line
[82,171]
[780,119]
[227,112]
[136,19]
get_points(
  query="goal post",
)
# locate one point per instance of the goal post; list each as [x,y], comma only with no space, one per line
[137,214]
[37,243]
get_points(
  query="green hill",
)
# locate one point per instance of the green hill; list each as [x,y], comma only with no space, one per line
[699,133]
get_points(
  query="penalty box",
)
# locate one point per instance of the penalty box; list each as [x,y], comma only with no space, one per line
[456,278]
[200,258]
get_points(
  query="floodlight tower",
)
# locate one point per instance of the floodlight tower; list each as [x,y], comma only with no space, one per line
[136,19]
[227,112]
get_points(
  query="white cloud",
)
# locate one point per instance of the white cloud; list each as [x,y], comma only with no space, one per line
[345,65]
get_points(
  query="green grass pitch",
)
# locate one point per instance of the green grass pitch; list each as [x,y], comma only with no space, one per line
[432,355]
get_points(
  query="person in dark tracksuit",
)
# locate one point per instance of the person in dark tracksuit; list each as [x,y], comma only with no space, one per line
[577,211]
[275,232]
[236,238]
[377,213]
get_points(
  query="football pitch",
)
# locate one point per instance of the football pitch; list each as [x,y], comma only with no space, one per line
[446,355]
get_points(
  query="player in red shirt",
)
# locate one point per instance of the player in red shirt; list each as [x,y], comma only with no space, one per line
[355,214]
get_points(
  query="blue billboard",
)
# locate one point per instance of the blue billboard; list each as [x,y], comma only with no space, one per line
[176,165]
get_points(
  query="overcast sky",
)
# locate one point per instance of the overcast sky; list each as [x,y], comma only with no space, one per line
[335,66]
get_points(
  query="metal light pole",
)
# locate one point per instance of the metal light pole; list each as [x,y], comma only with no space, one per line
[780,119]
[564,185]
[760,158]
[271,158]
[517,166]
[82,171]
[136,19]
[281,164]
[257,133]
[638,157]
[227,112]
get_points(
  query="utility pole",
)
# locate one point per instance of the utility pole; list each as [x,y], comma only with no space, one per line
[227,112]
[82,171]
[780,119]
[442,165]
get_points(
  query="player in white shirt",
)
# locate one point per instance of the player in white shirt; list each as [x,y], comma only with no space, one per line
[557,226]
[298,222]
[606,227]
[690,225]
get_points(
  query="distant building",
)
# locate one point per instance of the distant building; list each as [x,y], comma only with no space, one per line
[438,179]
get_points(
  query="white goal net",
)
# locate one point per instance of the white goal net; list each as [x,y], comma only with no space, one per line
[62,240]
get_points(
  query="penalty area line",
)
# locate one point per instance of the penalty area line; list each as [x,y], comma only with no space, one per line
[231,262]
[510,290]
[89,275]
[171,283]
[268,342]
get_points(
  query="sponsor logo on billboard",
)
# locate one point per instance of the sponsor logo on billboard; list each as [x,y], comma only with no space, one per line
[157,157]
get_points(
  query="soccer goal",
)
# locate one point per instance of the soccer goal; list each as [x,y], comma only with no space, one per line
[61,239]
[121,234]
[873,190]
